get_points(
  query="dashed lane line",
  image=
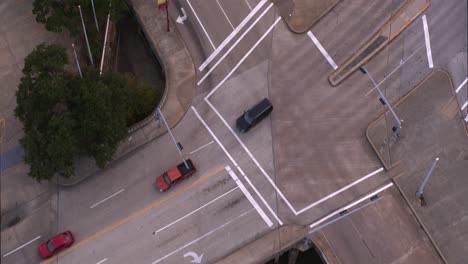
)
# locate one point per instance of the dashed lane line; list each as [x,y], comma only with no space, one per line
[132,216]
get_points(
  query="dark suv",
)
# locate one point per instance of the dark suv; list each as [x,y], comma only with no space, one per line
[254,115]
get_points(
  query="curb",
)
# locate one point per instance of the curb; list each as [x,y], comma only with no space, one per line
[131,149]
[413,211]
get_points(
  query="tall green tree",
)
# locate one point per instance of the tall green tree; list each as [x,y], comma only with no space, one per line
[66,117]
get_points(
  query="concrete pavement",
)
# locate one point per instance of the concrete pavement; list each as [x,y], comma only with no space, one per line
[433,128]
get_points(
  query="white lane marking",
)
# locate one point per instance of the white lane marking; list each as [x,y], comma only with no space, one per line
[225,15]
[252,157]
[245,57]
[217,140]
[203,28]
[96,204]
[322,50]
[466,118]
[232,35]
[461,85]
[235,164]
[102,261]
[234,45]
[350,205]
[428,42]
[249,197]
[464,106]
[367,10]
[331,195]
[390,74]
[196,210]
[248,5]
[201,147]
[343,216]
[263,200]
[20,247]
[200,238]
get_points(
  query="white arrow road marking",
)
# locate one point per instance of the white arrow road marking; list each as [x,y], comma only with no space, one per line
[181,19]
[196,258]
[200,238]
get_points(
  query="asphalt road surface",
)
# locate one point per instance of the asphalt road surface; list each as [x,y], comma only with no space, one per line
[300,165]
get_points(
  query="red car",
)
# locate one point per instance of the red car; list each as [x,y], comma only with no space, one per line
[56,244]
[180,172]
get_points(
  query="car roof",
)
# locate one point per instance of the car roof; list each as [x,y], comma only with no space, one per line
[260,107]
[58,240]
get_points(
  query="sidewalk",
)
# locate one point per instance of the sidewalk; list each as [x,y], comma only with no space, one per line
[178,94]
[300,15]
[433,127]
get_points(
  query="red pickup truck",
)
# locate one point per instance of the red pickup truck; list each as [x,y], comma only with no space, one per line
[180,172]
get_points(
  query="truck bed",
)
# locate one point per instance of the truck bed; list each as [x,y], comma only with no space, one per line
[183,170]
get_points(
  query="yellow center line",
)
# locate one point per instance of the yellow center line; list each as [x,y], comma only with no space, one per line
[130,217]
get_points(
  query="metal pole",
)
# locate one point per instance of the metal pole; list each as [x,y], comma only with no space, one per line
[167,15]
[419,193]
[160,114]
[397,120]
[77,62]
[95,18]
[86,36]
[104,48]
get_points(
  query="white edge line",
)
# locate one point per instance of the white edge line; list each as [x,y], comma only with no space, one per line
[464,105]
[322,50]
[232,35]
[196,210]
[340,190]
[22,246]
[225,15]
[201,147]
[263,200]
[428,42]
[96,204]
[252,157]
[102,261]
[391,73]
[203,28]
[249,197]
[461,85]
[248,5]
[245,57]
[350,205]
[215,138]
[205,235]
[234,45]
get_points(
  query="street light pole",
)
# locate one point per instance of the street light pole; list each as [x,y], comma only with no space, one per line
[86,36]
[95,18]
[396,129]
[161,118]
[419,193]
[77,61]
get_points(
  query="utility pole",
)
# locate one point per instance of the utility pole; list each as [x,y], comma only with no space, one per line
[396,129]
[161,118]
[77,61]
[86,36]
[419,193]
[95,18]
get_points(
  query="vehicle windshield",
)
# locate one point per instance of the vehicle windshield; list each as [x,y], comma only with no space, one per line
[50,247]
[67,238]
[248,118]
[166,179]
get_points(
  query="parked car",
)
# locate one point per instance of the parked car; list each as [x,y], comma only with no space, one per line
[254,115]
[179,172]
[56,244]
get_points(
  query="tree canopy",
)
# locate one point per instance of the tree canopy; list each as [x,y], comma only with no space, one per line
[66,117]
